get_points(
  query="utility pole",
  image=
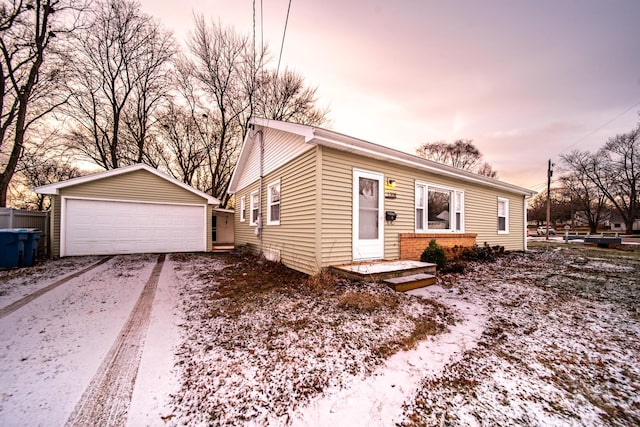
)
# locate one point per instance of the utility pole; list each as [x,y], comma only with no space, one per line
[549,175]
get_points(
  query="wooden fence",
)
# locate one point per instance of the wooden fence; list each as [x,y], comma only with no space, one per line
[19,218]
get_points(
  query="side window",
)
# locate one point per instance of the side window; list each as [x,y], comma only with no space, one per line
[273,203]
[243,212]
[255,207]
[503,216]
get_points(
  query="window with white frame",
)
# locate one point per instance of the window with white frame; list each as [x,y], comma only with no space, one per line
[254,202]
[503,216]
[438,208]
[243,212]
[273,203]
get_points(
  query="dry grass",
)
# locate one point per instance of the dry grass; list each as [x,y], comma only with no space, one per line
[272,338]
[367,303]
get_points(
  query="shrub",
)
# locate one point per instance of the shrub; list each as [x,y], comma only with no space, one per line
[457,266]
[434,254]
[485,253]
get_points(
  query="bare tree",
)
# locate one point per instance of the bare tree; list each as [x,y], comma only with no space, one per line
[615,171]
[461,154]
[36,170]
[27,86]
[120,79]
[580,189]
[184,147]
[285,97]
[229,84]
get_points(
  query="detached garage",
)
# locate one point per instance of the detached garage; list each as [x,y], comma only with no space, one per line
[134,209]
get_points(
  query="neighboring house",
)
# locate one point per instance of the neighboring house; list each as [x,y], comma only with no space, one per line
[133,209]
[324,198]
[616,223]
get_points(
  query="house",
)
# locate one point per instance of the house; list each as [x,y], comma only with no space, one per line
[134,209]
[313,198]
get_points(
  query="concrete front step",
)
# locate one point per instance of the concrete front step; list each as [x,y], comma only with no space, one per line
[406,283]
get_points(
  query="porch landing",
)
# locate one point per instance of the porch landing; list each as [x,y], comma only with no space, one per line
[401,275]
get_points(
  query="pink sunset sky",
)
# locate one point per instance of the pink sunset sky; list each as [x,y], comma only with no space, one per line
[526,80]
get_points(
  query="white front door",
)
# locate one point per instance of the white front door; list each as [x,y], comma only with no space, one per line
[368,220]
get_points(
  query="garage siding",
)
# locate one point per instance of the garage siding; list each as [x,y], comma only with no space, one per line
[54,244]
[137,185]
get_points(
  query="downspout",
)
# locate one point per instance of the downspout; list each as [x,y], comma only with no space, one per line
[259,225]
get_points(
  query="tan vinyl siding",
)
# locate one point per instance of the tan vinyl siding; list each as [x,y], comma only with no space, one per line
[482,218]
[295,236]
[55,227]
[336,213]
[480,206]
[244,232]
[337,203]
[137,185]
[317,231]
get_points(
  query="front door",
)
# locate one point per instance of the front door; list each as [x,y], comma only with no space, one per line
[368,221]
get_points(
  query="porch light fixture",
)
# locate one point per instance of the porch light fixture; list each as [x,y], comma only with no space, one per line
[390,183]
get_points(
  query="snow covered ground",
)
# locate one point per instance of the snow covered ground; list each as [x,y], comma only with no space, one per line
[551,337]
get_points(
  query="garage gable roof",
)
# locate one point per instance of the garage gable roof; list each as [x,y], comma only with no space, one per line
[54,189]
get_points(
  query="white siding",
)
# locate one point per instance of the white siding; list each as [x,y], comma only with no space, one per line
[279,148]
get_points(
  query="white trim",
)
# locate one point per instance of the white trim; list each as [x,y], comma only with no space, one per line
[506,215]
[243,213]
[453,206]
[389,154]
[251,207]
[270,202]
[54,189]
[223,210]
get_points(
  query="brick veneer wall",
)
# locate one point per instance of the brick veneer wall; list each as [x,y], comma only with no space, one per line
[412,245]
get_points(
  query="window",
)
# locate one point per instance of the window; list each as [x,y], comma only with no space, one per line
[273,203]
[243,212]
[420,191]
[255,207]
[439,209]
[503,216]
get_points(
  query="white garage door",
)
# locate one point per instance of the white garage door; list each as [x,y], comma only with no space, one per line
[93,227]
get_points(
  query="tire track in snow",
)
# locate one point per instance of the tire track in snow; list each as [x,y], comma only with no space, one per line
[106,400]
[5,311]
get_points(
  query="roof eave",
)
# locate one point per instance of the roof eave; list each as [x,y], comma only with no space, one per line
[346,143]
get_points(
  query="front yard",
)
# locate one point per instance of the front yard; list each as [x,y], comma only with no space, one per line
[559,345]
[550,337]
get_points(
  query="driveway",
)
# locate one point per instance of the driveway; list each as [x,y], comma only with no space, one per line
[74,332]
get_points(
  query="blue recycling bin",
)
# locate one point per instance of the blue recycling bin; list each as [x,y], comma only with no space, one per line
[31,247]
[12,247]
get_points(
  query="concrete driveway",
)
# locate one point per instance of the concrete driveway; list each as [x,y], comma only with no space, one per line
[88,341]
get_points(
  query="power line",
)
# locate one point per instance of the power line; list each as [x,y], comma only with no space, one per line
[582,138]
[284,33]
[637,103]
